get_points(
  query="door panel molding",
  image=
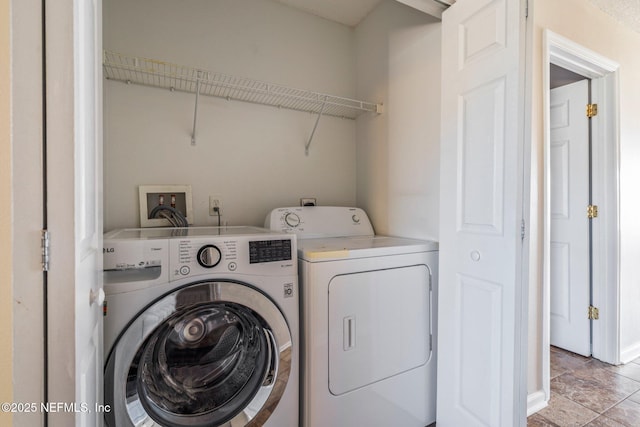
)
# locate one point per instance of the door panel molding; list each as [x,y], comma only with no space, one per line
[478,43]
[480,300]
[481,160]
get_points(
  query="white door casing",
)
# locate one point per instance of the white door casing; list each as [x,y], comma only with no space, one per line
[481,379]
[74,187]
[604,75]
[569,249]
[605,173]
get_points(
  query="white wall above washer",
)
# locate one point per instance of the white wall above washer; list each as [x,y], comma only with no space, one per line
[252,156]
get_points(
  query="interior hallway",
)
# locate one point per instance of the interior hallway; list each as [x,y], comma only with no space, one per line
[587,392]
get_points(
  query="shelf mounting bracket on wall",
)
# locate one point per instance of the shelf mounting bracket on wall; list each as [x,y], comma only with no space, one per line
[195,112]
[315,126]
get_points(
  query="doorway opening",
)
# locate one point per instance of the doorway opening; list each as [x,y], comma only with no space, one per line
[603,273]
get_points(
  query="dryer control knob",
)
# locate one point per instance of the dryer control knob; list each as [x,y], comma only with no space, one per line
[209,256]
[292,220]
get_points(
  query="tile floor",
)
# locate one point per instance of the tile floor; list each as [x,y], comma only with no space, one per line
[590,393]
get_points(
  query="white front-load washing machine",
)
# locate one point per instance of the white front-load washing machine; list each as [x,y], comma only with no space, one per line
[201,327]
[368,320]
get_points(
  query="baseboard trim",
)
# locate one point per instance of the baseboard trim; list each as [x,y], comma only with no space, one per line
[536,401]
[630,353]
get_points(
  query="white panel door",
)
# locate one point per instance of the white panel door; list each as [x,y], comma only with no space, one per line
[569,253]
[88,211]
[74,193]
[480,333]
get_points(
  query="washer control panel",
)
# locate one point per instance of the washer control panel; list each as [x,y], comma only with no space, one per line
[247,255]
[135,258]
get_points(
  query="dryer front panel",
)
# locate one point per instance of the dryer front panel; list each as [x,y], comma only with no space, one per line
[207,354]
[379,325]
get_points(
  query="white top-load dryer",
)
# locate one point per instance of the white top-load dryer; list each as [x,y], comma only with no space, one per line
[368,312]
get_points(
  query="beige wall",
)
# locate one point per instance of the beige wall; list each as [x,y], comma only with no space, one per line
[6,348]
[398,152]
[586,25]
[250,155]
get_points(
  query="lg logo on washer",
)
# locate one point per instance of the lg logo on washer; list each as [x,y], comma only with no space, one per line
[113,250]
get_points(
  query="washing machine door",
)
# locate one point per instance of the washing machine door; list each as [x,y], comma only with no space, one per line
[209,354]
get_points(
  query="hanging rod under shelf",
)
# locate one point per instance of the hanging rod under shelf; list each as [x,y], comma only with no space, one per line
[150,72]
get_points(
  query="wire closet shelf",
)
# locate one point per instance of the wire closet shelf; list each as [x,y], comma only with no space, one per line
[150,72]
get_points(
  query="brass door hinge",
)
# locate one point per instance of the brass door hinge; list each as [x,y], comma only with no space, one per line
[594,313]
[592,211]
[592,110]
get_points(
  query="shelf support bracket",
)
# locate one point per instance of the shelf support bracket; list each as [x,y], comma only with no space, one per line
[306,147]
[195,112]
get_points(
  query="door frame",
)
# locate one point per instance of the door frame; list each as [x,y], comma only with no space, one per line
[603,73]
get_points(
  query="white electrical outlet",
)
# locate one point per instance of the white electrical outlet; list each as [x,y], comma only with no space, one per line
[215,205]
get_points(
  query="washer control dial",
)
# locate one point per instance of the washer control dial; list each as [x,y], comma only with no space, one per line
[209,256]
[292,219]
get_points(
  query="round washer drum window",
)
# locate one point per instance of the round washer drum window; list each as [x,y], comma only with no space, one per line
[204,355]
[206,362]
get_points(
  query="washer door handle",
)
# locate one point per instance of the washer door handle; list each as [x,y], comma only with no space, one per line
[270,374]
